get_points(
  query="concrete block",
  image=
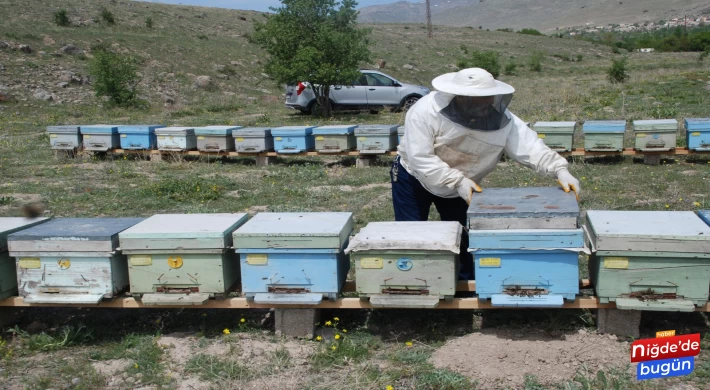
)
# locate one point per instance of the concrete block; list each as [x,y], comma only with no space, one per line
[263,161]
[156,156]
[623,323]
[652,159]
[299,323]
[365,161]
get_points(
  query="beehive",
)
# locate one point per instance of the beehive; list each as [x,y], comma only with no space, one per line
[400,134]
[293,258]
[658,135]
[705,216]
[406,264]
[376,139]
[603,136]
[523,208]
[176,138]
[70,260]
[215,138]
[293,139]
[253,140]
[8,273]
[558,136]
[334,139]
[182,259]
[650,260]
[64,137]
[698,133]
[100,138]
[138,137]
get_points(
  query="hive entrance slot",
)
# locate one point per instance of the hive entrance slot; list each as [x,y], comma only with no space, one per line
[524,291]
[177,290]
[651,295]
[288,290]
[405,291]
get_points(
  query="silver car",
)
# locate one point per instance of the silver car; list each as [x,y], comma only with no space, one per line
[372,90]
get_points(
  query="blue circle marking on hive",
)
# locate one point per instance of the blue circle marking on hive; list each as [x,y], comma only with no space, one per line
[404,264]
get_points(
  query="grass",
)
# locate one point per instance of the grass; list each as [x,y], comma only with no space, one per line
[215,368]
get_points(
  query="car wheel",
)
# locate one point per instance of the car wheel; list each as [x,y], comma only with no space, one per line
[408,102]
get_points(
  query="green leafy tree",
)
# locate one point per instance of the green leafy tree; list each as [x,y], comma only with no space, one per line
[316,41]
[488,60]
[617,71]
[149,22]
[530,31]
[114,75]
[61,18]
[107,16]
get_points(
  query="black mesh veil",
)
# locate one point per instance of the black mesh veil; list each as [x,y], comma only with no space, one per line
[486,113]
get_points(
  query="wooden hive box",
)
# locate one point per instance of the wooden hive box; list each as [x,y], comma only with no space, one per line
[650,260]
[182,259]
[215,138]
[293,139]
[294,258]
[656,135]
[100,138]
[558,136]
[604,136]
[376,139]
[406,264]
[70,260]
[65,137]
[698,134]
[176,138]
[8,272]
[253,140]
[335,139]
[138,137]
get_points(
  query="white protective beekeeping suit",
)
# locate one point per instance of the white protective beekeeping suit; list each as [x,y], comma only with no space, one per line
[448,145]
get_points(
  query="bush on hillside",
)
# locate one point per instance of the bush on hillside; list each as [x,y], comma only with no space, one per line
[61,18]
[510,68]
[114,75]
[107,16]
[149,22]
[488,60]
[530,31]
[535,62]
[617,72]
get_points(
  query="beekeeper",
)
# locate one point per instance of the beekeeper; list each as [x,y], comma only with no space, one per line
[453,138]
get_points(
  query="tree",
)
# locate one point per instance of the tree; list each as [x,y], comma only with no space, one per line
[488,60]
[316,41]
[115,76]
[617,71]
[61,18]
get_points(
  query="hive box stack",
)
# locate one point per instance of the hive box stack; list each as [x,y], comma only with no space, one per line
[407,264]
[100,138]
[8,273]
[335,139]
[176,138]
[253,140]
[558,136]
[215,138]
[64,137]
[650,260]
[658,135]
[293,258]
[604,136]
[376,139]
[525,243]
[182,259]
[400,134]
[70,260]
[293,139]
[138,137]
[698,134]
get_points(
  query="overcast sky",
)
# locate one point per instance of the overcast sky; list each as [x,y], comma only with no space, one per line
[256,5]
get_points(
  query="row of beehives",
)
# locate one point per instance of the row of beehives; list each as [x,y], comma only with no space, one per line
[373,139]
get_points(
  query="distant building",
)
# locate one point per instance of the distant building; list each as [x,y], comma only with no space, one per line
[647,50]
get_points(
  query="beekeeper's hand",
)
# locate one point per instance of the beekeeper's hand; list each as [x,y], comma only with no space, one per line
[568,182]
[466,188]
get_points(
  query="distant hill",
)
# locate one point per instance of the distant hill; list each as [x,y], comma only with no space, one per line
[539,14]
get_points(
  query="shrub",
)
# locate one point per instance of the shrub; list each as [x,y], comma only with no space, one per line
[115,76]
[487,60]
[617,71]
[510,68]
[535,63]
[580,57]
[61,18]
[615,50]
[530,31]
[505,29]
[149,22]
[107,16]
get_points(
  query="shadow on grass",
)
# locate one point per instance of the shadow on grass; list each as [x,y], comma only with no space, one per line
[604,160]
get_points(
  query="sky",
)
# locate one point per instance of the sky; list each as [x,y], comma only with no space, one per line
[256,5]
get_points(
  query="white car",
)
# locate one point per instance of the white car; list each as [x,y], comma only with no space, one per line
[372,90]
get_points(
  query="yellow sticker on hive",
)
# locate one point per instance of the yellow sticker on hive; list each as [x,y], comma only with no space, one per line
[371,262]
[616,262]
[361,138]
[239,139]
[124,135]
[695,134]
[541,136]
[64,263]
[320,138]
[665,333]
[87,136]
[29,262]
[174,262]
[141,260]
[640,135]
[200,137]
[277,138]
[52,136]
[257,259]
[161,137]
[489,262]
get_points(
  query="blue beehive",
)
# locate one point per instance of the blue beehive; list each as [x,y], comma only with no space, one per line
[705,216]
[602,136]
[100,138]
[293,258]
[698,133]
[293,139]
[137,137]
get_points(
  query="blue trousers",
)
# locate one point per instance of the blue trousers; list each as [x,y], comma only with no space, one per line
[412,201]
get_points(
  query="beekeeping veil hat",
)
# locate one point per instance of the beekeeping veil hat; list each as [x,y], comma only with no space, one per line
[478,101]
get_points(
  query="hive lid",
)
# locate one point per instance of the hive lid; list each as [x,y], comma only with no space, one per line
[290,131]
[604,127]
[11,225]
[335,129]
[173,130]
[71,235]
[409,236]
[295,230]
[554,127]
[252,131]
[648,231]
[182,231]
[705,216]
[216,130]
[656,124]
[69,129]
[376,129]
[697,123]
[138,129]
[98,129]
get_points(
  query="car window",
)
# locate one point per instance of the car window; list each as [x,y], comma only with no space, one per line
[377,80]
[362,80]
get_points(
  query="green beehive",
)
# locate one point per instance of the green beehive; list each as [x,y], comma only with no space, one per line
[8,275]
[558,136]
[604,136]
[650,260]
[657,135]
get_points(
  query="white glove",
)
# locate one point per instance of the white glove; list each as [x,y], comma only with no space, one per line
[568,182]
[466,188]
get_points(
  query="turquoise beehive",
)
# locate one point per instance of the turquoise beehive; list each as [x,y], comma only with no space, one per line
[698,134]
[293,139]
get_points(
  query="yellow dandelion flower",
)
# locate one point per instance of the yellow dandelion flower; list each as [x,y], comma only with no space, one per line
[334,348]
[226,331]
[696,204]
[337,337]
[389,387]
[667,206]
[345,331]
[336,319]
[409,343]
[328,323]
[584,178]
[242,320]
[319,338]
[135,365]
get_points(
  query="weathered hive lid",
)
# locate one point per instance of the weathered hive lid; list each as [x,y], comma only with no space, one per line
[252,131]
[216,130]
[99,129]
[71,235]
[704,215]
[70,129]
[12,225]
[290,131]
[295,230]
[376,129]
[697,123]
[554,127]
[175,130]
[138,129]
[667,125]
[648,231]
[334,129]
[182,231]
[409,236]
[604,126]
[523,208]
